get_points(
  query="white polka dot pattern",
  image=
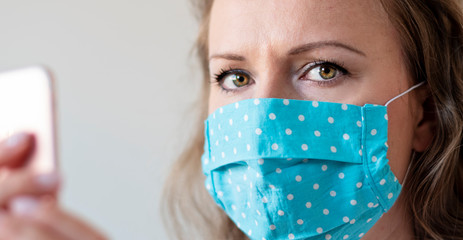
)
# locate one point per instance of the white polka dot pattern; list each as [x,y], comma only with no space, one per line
[328,188]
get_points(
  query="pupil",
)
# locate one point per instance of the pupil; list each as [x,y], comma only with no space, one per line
[240,79]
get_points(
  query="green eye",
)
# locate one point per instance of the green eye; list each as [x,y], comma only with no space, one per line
[240,79]
[324,72]
[327,72]
[235,80]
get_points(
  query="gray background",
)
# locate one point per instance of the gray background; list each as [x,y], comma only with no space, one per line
[125,80]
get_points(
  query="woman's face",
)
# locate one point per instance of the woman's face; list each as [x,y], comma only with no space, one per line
[332,50]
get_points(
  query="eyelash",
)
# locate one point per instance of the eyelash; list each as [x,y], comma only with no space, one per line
[330,62]
[223,73]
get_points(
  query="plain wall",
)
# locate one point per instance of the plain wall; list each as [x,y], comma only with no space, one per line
[125,79]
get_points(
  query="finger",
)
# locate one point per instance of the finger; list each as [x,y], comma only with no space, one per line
[12,227]
[51,214]
[15,150]
[27,182]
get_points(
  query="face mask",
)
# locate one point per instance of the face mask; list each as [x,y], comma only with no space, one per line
[295,169]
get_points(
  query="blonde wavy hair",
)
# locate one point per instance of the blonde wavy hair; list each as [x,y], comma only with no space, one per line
[431,34]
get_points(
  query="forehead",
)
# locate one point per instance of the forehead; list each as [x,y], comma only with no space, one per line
[240,25]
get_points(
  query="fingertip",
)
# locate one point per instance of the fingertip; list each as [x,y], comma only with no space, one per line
[21,138]
[23,206]
[15,150]
[33,207]
[48,181]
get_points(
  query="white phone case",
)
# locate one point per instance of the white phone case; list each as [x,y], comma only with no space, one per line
[27,104]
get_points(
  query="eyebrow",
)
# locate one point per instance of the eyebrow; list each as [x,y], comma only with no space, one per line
[315,45]
[295,51]
[228,56]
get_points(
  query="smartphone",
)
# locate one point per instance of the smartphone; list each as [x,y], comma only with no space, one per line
[27,104]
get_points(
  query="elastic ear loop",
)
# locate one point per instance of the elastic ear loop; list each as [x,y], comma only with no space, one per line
[413,152]
[400,95]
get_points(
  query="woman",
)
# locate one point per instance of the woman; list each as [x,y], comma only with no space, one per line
[349,52]
[334,56]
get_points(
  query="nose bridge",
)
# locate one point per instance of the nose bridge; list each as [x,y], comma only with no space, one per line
[273,81]
[271,86]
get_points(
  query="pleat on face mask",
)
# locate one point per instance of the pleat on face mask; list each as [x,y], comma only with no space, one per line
[295,169]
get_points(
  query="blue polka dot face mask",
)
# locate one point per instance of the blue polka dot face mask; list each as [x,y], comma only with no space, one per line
[296,169]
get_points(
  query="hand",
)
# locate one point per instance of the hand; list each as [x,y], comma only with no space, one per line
[45,221]
[16,178]
[37,217]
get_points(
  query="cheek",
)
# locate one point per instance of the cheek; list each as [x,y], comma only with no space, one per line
[400,136]
[212,104]
[216,99]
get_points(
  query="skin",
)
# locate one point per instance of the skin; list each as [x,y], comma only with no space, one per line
[256,37]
